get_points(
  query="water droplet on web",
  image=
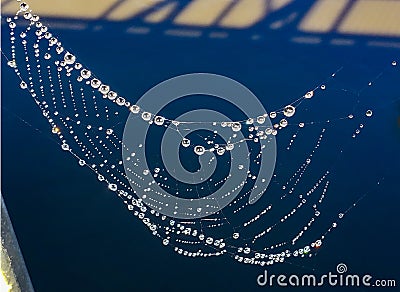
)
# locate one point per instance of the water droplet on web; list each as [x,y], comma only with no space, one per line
[236,127]
[95,83]
[220,151]
[104,89]
[185,142]
[85,73]
[199,150]
[112,187]
[159,121]
[146,116]
[65,147]
[92,130]
[59,50]
[261,119]
[230,146]
[12,64]
[283,123]
[27,15]
[112,95]
[309,94]
[135,109]
[289,111]
[23,85]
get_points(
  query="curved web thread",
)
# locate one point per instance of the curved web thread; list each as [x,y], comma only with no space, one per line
[88,118]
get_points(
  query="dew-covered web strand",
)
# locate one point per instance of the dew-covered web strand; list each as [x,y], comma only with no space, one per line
[97,147]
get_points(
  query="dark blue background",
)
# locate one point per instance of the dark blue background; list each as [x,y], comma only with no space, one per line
[75,235]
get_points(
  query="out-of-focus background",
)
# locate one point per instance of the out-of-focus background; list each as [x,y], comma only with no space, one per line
[76,236]
[337,22]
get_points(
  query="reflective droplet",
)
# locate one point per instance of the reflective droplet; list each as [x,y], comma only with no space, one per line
[120,101]
[23,85]
[112,95]
[95,83]
[236,127]
[52,41]
[289,111]
[230,146]
[283,123]
[47,56]
[250,121]
[272,115]
[260,119]
[65,147]
[199,150]
[27,15]
[59,50]
[85,73]
[146,116]
[24,6]
[135,109]
[220,151]
[112,187]
[159,121]
[309,94]
[104,89]
[369,113]
[12,64]
[185,142]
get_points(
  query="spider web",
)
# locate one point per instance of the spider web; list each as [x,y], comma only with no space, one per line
[291,220]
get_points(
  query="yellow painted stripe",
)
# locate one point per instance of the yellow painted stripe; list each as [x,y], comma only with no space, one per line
[245,13]
[373,17]
[202,12]
[131,8]
[88,9]
[323,16]
[161,14]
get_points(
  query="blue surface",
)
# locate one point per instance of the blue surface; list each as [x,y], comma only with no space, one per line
[75,235]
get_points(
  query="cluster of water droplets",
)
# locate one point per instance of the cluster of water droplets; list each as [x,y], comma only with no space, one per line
[85,114]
